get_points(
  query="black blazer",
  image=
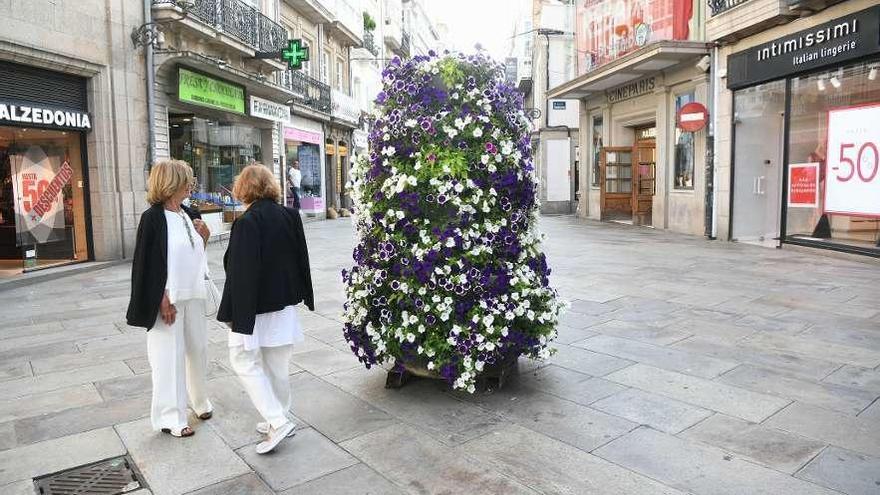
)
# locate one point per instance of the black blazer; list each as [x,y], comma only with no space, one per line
[267,265]
[149,268]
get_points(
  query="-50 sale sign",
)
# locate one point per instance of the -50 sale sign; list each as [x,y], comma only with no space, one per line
[852,184]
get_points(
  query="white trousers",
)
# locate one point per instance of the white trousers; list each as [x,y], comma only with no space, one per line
[179,362]
[265,375]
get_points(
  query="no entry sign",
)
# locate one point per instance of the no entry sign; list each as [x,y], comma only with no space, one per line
[692,117]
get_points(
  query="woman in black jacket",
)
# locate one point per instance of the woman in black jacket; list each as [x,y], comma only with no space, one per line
[267,274]
[168,298]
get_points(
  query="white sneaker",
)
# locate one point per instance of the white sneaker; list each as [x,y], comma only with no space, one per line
[275,438]
[263,429]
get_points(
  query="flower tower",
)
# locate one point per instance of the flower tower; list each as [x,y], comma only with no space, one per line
[449,275]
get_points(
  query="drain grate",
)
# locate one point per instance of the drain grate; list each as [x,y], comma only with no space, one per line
[111,477]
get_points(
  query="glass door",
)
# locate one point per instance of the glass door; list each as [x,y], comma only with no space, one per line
[616,185]
[758,144]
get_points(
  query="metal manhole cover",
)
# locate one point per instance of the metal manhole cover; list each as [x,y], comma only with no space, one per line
[111,477]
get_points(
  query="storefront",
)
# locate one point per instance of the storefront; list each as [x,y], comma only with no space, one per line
[303,142]
[345,114]
[639,166]
[215,126]
[804,157]
[44,187]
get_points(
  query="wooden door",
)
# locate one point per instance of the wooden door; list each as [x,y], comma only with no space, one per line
[616,184]
[644,173]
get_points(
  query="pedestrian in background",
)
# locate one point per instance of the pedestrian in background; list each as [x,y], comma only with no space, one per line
[267,274]
[168,299]
[294,180]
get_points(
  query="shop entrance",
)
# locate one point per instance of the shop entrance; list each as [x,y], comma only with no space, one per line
[758,145]
[628,179]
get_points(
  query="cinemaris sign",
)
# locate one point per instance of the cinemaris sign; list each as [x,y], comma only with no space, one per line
[845,38]
[39,116]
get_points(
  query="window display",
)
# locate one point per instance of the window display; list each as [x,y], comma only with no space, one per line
[311,188]
[597,149]
[684,148]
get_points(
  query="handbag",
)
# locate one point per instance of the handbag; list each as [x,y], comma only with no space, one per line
[212,297]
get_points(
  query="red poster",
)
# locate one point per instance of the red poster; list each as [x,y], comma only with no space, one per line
[609,29]
[803,185]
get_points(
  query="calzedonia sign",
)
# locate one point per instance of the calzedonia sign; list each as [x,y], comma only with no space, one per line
[853,36]
[30,115]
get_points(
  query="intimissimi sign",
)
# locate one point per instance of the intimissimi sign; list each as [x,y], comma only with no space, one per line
[849,37]
[39,116]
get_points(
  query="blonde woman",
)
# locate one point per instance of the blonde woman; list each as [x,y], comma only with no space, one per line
[168,299]
[267,274]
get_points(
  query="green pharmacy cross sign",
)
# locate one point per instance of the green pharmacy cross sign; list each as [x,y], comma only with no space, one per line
[295,54]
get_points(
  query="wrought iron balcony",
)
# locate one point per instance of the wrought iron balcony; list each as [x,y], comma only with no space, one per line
[405,45]
[308,91]
[719,6]
[238,20]
[370,43]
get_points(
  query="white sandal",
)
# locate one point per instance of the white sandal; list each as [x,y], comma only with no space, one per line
[182,432]
[275,437]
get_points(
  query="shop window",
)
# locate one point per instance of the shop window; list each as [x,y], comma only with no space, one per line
[217,151]
[42,199]
[684,149]
[340,75]
[597,150]
[832,193]
[308,156]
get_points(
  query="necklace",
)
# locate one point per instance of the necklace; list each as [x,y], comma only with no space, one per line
[189,233]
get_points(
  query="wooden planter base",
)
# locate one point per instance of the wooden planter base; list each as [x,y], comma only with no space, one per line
[493,377]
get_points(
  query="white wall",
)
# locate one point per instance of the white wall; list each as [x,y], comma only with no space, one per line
[558,169]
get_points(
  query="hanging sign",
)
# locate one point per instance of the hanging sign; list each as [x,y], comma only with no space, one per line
[269,110]
[692,117]
[803,185]
[39,203]
[852,183]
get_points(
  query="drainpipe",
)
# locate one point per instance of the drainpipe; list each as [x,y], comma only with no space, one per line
[711,224]
[151,82]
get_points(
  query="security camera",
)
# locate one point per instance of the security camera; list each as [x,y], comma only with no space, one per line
[704,63]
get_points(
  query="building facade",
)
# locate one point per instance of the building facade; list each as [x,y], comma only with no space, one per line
[639,63]
[73,150]
[797,139]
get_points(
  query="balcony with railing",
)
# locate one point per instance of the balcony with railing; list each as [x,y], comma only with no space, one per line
[370,43]
[405,45]
[233,18]
[307,91]
[348,24]
[732,20]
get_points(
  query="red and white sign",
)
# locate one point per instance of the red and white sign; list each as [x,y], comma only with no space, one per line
[803,185]
[692,117]
[852,183]
[38,184]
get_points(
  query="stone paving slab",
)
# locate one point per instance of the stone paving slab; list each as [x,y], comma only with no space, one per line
[641,332]
[658,356]
[815,349]
[248,484]
[829,396]
[355,480]
[872,412]
[584,361]
[29,461]
[336,414]
[839,429]
[771,447]
[299,459]
[421,464]
[49,402]
[791,364]
[55,381]
[856,377]
[566,384]
[550,466]
[848,472]
[734,401]
[179,465]
[25,487]
[656,411]
[699,469]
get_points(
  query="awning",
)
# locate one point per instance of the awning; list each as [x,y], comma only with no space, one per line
[632,66]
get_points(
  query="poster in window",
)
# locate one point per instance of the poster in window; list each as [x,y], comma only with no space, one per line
[803,185]
[38,184]
[852,184]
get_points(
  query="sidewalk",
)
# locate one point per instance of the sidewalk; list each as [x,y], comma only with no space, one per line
[684,366]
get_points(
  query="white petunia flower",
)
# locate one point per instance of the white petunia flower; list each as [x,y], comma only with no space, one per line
[478,132]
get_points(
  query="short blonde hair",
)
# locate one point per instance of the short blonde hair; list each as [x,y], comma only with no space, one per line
[256,182]
[167,178]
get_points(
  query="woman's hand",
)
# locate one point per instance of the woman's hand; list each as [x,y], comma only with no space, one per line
[167,310]
[202,229]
